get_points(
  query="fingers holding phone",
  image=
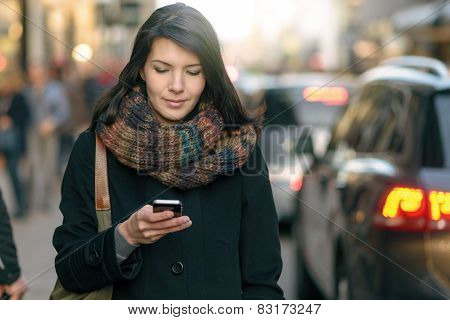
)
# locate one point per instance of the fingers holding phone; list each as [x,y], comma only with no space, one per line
[168,205]
[146,226]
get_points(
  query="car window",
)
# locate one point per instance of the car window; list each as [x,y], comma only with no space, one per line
[436,151]
[399,109]
[372,115]
[288,106]
[342,143]
[355,126]
[345,127]
[378,119]
[280,110]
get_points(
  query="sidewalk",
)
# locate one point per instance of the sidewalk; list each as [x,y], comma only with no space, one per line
[33,236]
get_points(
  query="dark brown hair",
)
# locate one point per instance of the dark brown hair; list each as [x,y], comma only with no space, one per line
[191,30]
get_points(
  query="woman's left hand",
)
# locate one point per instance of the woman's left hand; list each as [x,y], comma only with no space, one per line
[17,289]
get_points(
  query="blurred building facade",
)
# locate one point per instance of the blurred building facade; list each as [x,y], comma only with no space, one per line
[384,28]
[12,35]
[37,31]
[285,36]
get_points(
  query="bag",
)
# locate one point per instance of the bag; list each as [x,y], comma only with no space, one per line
[9,140]
[103,212]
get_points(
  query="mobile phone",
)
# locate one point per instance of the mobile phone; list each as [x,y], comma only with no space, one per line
[176,206]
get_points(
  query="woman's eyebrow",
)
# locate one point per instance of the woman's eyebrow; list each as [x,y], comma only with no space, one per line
[168,64]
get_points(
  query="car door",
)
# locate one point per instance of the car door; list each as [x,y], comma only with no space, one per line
[333,185]
[318,200]
[435,176]
[361,180]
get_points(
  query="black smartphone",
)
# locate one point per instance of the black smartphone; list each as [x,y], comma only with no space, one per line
[176,206]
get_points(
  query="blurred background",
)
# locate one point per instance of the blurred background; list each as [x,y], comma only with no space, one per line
[278,53]
[257,35]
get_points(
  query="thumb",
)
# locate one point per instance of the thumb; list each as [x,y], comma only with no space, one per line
[2,290]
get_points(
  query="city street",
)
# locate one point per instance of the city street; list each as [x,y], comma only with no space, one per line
[349,103]
[33,237]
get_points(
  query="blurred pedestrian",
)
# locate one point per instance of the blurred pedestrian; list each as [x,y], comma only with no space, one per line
[12,285]
[14,122]
[68,76]
[79,113]
[173,128]
[96,84]
[49,106]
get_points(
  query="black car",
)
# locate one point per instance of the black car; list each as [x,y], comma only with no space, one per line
[374,217]
[295,105]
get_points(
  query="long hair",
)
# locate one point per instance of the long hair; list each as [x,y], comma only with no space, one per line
[191,30]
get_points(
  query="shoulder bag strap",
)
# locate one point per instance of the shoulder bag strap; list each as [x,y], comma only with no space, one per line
[102,199]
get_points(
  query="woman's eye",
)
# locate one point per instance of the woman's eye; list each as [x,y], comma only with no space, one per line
[160,70]
[194,73]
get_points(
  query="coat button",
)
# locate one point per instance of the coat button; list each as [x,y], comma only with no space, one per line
[93,258]
[177,268]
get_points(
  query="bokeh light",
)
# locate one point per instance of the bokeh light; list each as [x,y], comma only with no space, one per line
[3,63]
[82,52]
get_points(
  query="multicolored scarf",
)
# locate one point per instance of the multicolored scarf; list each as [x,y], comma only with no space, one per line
[185,155]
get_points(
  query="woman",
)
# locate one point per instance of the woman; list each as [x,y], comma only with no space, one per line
[12,284]
[174,129]
[14,116]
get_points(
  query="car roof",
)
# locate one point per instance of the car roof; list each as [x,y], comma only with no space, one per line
[314,79]
[406,74]
[249,82]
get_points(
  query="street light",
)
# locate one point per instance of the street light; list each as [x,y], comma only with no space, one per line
[82,52]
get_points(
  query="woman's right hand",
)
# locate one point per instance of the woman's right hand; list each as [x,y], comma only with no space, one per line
[17,289]
[5,123]
[146,227]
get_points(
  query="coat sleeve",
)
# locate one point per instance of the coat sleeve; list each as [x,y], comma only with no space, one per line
[260,252]
[86,260]
[9,266]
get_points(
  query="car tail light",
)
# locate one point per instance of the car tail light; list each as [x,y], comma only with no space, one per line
[439,210]
[296,182]
[402,209]
[404,201]
[332,96]
[413,209]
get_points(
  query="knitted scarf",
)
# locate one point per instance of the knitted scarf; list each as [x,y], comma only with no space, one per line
[185,155]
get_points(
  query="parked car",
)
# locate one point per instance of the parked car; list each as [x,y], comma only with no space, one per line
[374,220]
[296,105]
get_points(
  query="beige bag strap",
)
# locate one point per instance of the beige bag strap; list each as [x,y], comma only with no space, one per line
[102,199]
[103,211]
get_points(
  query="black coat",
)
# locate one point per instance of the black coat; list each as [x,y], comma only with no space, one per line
[9,266]
[231,251]
[19,112]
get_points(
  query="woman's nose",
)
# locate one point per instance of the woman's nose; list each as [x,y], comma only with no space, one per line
[176,85]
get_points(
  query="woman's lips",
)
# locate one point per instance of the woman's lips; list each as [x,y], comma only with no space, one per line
[175,103]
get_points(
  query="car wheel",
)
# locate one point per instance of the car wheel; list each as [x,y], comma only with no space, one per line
[285,227]
[342,286]
[306,288]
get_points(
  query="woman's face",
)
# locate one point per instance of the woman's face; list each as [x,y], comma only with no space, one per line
[174,80]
